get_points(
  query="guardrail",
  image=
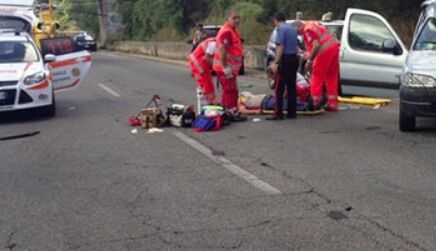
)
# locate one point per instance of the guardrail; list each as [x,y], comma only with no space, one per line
[180,51]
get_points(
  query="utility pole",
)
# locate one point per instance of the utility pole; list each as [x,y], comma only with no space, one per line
[102,20]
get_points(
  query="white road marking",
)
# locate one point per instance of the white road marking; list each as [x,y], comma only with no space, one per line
[109,90]
[236,170]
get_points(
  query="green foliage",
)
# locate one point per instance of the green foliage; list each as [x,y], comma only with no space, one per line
[78,15]
[145,18]
[175,19]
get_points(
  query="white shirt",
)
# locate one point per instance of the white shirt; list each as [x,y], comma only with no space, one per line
[211,48]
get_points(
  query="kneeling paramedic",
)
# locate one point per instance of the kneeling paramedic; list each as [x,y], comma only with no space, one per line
[227,62]
[323,60]
[286,65]
[200,62]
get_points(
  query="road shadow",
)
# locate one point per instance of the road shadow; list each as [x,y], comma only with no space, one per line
[24,116]
[426,125]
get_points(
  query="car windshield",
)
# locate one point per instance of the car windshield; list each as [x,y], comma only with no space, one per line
[80,38]
[427,38]
[211,32]
[13,23]
[17,52]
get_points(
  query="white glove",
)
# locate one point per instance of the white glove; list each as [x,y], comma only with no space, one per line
[228,71]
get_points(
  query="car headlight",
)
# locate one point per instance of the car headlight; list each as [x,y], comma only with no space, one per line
[35,78]
[416,80]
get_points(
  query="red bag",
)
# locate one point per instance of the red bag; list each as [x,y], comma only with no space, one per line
[134,121]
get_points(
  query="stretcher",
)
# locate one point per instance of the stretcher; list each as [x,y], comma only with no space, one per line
[365,101]
[250,104]
[245,111]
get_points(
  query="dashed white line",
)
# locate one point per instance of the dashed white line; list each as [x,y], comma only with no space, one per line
[236,170]
[109,90]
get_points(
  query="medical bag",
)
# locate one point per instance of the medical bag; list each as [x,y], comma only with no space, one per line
[180,115]
[151,117]
[207,124]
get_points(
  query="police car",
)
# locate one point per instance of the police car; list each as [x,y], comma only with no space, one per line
[25,80]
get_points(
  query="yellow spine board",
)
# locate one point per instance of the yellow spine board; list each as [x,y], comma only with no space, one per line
[364,101]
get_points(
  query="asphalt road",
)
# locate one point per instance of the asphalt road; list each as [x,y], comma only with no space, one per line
[344,181]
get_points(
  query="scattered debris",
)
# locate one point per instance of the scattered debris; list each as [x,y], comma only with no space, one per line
[256,120]
[337,215]
[155,130]
[376,107]
[373,128]
[350,107]
[20,136]
[349,209]
[134,131]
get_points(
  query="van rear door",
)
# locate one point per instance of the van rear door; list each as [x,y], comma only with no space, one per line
[72,63]
[372,54]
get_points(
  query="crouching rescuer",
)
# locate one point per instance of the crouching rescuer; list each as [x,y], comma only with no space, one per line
[200,62]
[227,62]
[323,61]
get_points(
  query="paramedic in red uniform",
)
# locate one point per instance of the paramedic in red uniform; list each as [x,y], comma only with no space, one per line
[323,60]
[227,62]
[200,62]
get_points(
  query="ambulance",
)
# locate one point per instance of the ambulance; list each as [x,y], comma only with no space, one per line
[33,70]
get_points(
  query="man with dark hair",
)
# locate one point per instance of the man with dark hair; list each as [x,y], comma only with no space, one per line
[285,66]
[227,63]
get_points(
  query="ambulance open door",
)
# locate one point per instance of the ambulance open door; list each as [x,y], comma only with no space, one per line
[72,63]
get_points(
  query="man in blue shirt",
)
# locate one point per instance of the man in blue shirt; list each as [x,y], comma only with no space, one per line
[285,66]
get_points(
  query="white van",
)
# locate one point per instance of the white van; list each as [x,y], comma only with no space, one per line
[371,54]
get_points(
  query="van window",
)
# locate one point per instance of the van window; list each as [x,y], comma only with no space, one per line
[367,33]
[272,38]
[427,38]
[336,30]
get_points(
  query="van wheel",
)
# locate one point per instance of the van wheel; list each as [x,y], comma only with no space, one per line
[407,123]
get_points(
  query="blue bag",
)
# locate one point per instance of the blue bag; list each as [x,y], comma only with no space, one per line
[206,124]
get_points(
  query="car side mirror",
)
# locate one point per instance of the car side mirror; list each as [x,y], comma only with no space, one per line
[389,45]
[190,41]
[49,58]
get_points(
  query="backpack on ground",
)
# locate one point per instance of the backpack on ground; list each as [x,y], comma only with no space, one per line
[180,115]
[207,124]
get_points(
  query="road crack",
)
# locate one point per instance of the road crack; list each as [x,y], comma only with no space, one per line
[10,244]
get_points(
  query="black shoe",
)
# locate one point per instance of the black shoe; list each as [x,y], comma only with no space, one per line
[274,118]
[291,116]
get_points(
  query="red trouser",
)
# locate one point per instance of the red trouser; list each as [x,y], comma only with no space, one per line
[230,92]
[204,81]
[326,71]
